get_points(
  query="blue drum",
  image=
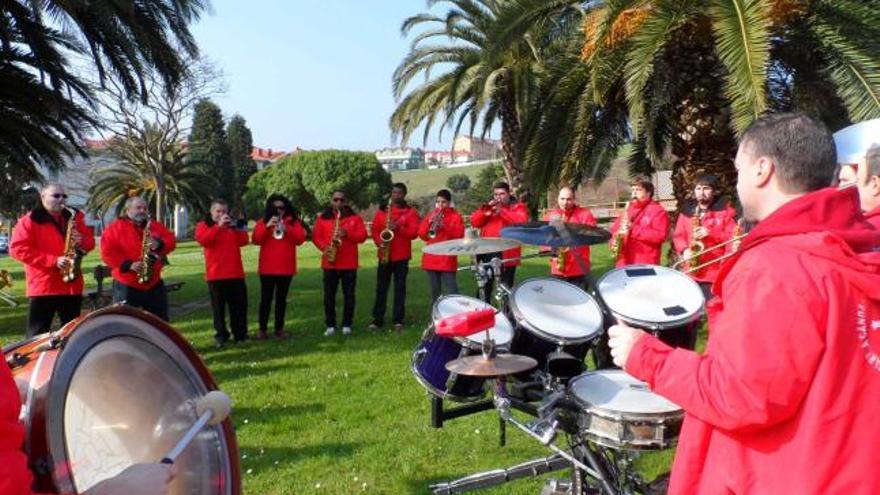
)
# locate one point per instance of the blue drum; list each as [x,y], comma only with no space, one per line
[430,357]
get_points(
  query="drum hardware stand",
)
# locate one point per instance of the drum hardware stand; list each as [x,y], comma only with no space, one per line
[534,467]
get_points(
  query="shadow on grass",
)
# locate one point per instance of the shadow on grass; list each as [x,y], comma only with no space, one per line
[262,458]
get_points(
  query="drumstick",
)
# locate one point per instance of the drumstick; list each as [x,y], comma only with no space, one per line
[212,409]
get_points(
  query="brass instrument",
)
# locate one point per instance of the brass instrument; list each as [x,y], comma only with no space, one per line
[734,242]
[562,258]
[335,241]
[6,281]
[278,233]
[436,223]
[696,246]
[619,239]
[148,258]
[71,271]
[387,235]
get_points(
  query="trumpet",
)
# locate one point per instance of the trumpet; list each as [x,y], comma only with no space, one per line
[436,223]
[733,242]
[278,233]
[387,235]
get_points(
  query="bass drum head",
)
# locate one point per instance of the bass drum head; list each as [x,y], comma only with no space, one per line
[650,296]
[123,391]
[501,333]
[556,310]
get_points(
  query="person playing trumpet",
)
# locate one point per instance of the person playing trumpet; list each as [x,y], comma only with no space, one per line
[38,242]
[564,265]
[278,234]
[137,261]
[704,222]
[338,231]
[443,224]
[638,233]
[400,222]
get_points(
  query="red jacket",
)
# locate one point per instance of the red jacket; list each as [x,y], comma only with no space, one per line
[15,478]
[278,256]
[408,229]
[873,217]
[38,242]
[649,226]
[786,397]
[356,233]
[222,250]
[579,215]
[720,222]
[121,245]
[490,225]
[451,227]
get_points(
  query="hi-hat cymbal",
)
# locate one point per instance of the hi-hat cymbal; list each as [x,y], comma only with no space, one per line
[547,234]
[500,365]
[471,244]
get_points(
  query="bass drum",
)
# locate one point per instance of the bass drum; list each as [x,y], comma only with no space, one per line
[111,389]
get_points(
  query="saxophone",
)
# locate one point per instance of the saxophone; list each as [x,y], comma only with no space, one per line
[335,242]
[148,258]
[71,271]
[620,238]
[436,223]
[562,253]
[387,235]
[696,246]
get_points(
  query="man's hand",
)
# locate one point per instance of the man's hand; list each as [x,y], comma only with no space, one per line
[621,339]
[700,233]
[76,237]
[63,262]
[136,266]
[139,479]
[154,244]
[340,233]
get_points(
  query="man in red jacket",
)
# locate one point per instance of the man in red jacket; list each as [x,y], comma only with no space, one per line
[278,234]
[122,250]
[393,256]
[222,241]
[443,224]
[715,223]
[501,211]
[869,186]
[338,231]
[565,264]
[784,399]
[646,227]
[38,243]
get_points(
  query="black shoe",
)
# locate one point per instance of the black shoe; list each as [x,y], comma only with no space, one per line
[220,343]
[239,340]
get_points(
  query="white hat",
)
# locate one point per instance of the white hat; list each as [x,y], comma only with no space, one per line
[853,142]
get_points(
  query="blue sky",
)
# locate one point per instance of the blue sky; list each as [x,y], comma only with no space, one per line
[310,73]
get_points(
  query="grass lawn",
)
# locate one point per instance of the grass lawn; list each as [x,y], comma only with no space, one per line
[427,182]
[337,415]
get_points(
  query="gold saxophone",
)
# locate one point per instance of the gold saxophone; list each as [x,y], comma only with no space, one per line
[619,239]
[71,271]
[736,238]
[436,224]
[335,242]
[387,235]
[696,246]
[148,258]
[562,253]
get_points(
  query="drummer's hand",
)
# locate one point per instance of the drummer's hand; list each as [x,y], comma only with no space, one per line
[621,339]
[700,233]
[139,479]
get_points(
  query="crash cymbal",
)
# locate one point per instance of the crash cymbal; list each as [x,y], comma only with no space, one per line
[500,365]
[471,244]
[549,234]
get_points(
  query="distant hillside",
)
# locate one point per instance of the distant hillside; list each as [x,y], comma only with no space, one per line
[421,183]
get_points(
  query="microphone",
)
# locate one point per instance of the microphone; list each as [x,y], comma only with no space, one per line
[212,409]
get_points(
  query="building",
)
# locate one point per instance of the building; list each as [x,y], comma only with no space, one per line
[476,149]
[265,157]
[401,158]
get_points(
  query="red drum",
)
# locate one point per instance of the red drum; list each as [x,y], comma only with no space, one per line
[114,388]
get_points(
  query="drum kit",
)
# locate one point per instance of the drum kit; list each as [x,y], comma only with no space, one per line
[533,357]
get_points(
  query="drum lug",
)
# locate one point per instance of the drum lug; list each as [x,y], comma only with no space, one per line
[17,360]
[41,467]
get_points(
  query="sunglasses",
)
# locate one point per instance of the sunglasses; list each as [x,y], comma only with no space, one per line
[338,200]
[59,196]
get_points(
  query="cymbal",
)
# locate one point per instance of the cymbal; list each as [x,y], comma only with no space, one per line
[546,234]
[471,244]
[502,364]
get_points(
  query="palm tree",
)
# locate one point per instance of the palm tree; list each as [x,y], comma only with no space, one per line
[150,166]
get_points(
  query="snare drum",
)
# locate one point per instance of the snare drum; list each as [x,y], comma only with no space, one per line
[659,299]
[430,357]
[619,411]
[553,315]
[111,389]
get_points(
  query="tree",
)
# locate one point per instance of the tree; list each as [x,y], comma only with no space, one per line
[240,143]
[208,149]
[458,182]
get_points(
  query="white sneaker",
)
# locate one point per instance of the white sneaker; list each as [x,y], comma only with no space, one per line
[330,331]
[346,330]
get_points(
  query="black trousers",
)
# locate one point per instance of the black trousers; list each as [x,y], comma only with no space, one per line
[230,293]
[154,300]
[331,283]
[43,308]
[275,286]
[508,274]
[384,272]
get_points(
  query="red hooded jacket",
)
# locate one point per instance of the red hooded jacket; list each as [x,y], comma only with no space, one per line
[222,250]
[873,217]
[278,256]
[356,233]
[38,242]
[121,245]
[785,398]
[490,225]
[649,226]
[579,215]
[720,221]
[15,478]
[451,227]
[407,230]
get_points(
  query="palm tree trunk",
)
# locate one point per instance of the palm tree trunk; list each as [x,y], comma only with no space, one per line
[510,135]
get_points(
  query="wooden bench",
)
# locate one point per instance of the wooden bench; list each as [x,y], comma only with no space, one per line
[101,297]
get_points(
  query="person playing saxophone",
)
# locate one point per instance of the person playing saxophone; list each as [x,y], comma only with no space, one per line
[443,224]
[338,231]
[564,265]
[38,242]
[135,248]
[647,225]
